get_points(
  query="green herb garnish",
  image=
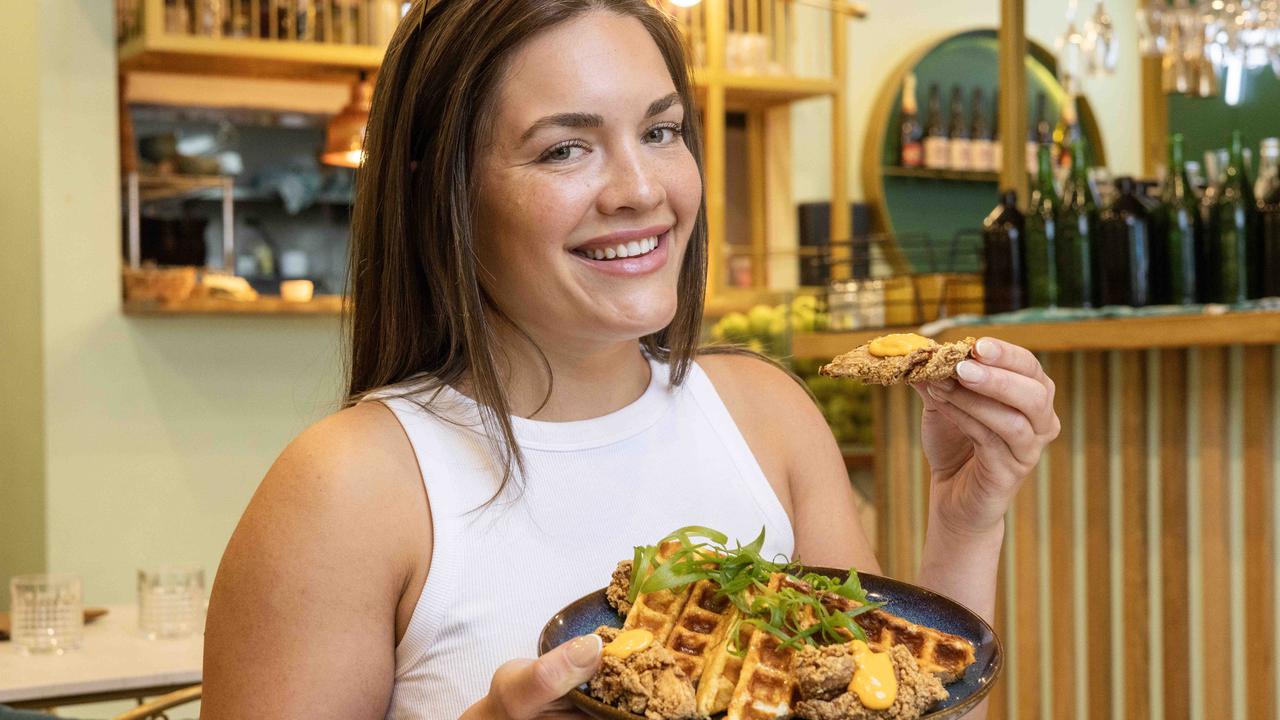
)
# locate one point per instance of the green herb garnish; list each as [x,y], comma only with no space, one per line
[742,574]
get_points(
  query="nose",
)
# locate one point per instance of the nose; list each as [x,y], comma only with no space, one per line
[633,182]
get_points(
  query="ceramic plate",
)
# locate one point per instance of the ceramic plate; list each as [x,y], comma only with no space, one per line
[911,602]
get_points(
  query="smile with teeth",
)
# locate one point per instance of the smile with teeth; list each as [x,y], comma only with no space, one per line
[634,248]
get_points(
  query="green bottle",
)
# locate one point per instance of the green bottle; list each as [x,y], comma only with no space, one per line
[1231,225]
[1077,234]
[1181,230]
[1041,222]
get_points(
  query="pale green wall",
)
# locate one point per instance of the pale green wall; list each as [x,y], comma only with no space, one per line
[22,520]
[155,430]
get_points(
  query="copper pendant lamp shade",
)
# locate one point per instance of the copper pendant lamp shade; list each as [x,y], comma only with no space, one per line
[344,139]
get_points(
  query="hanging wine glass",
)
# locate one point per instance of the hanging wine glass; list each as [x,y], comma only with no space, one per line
[1070,49]
[1100,48]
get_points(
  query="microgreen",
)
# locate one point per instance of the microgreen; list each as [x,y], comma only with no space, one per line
[795,616]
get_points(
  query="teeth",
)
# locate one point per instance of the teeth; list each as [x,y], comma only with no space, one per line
[634,248]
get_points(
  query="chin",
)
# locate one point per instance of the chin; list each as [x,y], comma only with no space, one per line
[658,314]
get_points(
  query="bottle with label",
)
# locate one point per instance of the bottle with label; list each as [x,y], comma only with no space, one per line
[1267,191]
[1035,134]
[1041,223]
[1077,233]
[1066,132]
[1231,225]
[911,151]
[1178,235]
[980,142]
[1206,249]
[936,144]
[958,132]
[1124,248]
[1003,276]
[997,150]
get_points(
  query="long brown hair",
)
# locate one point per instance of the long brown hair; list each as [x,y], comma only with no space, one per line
[419,308]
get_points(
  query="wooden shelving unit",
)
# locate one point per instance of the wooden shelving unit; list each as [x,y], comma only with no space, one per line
[320,305]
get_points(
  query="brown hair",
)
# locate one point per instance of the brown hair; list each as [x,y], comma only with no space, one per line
[419,307]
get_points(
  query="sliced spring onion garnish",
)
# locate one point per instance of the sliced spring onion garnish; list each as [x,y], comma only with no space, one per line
[742,574]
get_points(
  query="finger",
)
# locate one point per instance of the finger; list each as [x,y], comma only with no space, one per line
[1028,395]
[989,450]
[1001,354]
[524,688]
[1011,427]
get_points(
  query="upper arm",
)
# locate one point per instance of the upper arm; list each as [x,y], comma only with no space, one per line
[302,616]
[799,455]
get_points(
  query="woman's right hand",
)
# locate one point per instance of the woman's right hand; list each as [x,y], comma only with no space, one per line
[535,689]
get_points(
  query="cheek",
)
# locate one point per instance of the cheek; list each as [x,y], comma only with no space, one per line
[684,188]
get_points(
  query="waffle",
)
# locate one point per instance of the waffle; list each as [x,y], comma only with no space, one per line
[720,671]
[765,685]
[658,611]
[701,627]
[936,652]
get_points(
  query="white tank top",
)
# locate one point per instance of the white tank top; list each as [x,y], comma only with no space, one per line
[592,490]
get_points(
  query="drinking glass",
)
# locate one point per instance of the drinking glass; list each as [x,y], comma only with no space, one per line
[170,601]
[46,613]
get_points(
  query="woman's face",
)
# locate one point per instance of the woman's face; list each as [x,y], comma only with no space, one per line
[587,193]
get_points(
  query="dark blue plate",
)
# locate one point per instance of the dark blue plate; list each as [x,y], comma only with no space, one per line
[920,606]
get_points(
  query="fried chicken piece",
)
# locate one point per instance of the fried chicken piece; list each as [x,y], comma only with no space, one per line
[648,682]
[934,362]
[823,673]
[820,672]
[619,588]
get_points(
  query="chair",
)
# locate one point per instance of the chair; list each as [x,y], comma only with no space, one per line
[154,710]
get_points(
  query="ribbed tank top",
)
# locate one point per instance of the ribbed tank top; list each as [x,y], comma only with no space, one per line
[591,491]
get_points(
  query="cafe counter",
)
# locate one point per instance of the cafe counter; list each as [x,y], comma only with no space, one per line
[1139,576]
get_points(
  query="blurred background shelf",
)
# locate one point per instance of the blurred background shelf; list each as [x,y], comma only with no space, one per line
[267,305]
[1167,331]
[975,176]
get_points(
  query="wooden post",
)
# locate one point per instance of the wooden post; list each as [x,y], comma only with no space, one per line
[841,220]
[1155,117]
[1012,37]
[713,153]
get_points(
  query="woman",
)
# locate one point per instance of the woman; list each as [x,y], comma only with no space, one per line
[525,404]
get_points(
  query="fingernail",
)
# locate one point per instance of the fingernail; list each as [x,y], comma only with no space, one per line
[584,650]
[988,349]
[970,371]
[945,384]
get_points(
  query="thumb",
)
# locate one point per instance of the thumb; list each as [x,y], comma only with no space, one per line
[523,687]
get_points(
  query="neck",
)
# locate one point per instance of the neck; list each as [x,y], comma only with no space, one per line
[574,382]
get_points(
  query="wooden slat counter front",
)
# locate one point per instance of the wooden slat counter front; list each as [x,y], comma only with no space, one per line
[1139,577]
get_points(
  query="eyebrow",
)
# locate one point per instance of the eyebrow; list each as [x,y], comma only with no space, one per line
[592,120]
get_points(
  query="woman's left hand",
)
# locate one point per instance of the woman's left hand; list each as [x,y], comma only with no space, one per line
[984,432]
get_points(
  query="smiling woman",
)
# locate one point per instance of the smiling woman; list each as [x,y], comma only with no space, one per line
[526,400]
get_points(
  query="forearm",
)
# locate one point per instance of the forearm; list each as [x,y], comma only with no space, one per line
[962,566]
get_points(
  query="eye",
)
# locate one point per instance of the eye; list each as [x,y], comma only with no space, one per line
[663,134]
[562,152]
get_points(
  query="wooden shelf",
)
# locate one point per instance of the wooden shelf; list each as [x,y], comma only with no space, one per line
[749,90]
[1169,331]
[973,176]
[248,57]
[330,305]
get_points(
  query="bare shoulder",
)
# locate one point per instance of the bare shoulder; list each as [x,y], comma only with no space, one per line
[749,383]
[304,609]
